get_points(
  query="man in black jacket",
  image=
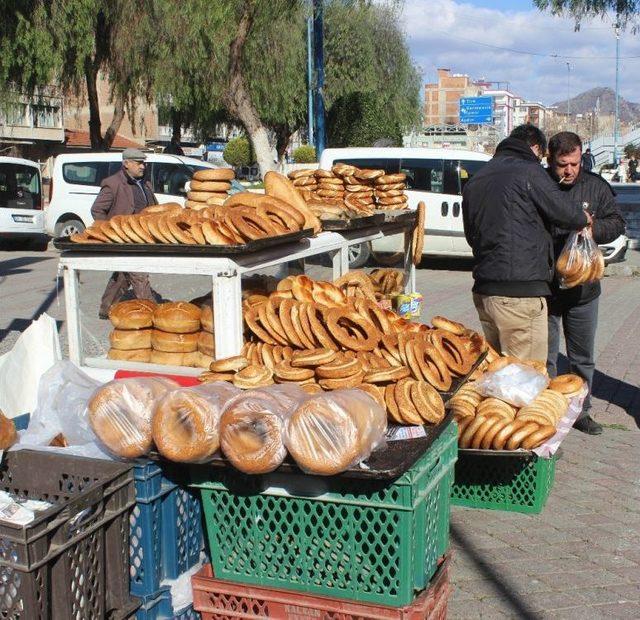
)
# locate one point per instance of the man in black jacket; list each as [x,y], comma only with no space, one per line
[508,209]
[576,309]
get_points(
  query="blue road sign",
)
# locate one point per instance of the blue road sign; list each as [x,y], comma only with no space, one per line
[476,110]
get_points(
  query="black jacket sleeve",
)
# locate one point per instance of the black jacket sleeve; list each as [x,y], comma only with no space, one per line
[608,223]
[553,203]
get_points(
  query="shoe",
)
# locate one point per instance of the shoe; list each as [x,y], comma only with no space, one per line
[588,425]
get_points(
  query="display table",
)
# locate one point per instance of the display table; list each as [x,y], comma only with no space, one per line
[225,273]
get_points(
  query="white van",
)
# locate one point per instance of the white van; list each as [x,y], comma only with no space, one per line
[76,179]
[436,176]
[21,217]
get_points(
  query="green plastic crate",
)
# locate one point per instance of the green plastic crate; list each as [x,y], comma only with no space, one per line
[511,483]
[339,537]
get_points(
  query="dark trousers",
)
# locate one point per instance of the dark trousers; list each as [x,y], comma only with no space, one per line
[579,323]
[118,285]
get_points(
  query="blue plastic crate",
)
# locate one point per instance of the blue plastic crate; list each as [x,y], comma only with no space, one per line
[166,536]
[158,606]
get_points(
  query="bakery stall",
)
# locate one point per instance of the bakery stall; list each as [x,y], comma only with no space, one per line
[305,461]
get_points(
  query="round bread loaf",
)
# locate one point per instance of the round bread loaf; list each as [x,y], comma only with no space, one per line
[206,318]
[186,421]
[130,339]
[332,431]
[174,343]
[179,317]
[8,434]
[214,174]
[252,428]
[131,355]
[206,343]
[169,359]
[120,413]
[132,314]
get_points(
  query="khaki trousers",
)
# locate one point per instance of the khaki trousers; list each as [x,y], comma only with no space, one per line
[514,326]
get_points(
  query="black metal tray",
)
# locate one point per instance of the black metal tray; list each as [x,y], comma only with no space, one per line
[353,223]
[387,463]
[459,382]
[63,243]
[399,216]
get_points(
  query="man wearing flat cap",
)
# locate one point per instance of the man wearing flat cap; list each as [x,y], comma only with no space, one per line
[124,193]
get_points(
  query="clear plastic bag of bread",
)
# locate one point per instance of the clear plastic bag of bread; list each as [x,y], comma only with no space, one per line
[120,413]
[186,422]
[252,427]
[580,261]
[334,431]
[514,383]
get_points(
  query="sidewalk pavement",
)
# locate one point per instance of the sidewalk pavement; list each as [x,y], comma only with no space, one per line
[580,558]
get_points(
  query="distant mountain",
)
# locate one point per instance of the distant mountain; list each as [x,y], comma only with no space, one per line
[605,98]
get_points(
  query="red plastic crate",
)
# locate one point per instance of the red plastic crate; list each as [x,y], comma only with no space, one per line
[220,600]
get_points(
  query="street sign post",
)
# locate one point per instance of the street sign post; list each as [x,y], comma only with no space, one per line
[476,110]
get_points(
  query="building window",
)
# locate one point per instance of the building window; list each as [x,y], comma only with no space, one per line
[15,114]
[46,116]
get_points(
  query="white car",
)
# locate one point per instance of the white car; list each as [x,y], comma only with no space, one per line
[21,216]
[76,179]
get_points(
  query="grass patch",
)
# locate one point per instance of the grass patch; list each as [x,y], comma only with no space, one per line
[616,427]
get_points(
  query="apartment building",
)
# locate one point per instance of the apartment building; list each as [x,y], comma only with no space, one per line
[442,98]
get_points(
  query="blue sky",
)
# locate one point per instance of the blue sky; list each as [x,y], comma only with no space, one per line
[485,38]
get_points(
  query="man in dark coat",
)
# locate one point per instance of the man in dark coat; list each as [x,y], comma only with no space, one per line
[508,208]
[124,193]
[588,161]
[575,310]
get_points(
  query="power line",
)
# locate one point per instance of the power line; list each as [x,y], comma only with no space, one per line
[527,53]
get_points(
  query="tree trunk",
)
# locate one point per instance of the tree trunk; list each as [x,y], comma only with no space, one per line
[283,136]
[95,127]
[116,121]
[237,98]
[176,122]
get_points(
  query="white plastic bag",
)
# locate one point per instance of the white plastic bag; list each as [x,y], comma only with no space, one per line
[516,384]
[331,432]
[61,409]
[35,351]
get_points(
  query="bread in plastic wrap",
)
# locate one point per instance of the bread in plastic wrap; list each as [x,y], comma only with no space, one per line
[187,420]
[120,413]
[252,427]
[517,384]
[336,430]
[580,261]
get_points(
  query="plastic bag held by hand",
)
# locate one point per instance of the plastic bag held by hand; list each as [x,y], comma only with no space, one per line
[252,427]
[333,431]
[120,413]
[580,261]
[516,384]
[186,421]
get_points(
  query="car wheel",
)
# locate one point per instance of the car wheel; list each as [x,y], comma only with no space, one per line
[387,259]
[68,228]
[359,255]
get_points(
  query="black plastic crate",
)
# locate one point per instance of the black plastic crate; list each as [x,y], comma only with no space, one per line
[71,561]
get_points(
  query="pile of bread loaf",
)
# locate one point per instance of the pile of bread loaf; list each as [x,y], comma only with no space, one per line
[579,266]
[325,434]
[209,188]
[173,333]
[346,191]
[243,217]
[312,334]
[489,423]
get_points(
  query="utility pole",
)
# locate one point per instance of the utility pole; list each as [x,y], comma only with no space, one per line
[568,91]
[318,49]
[617,112]
[310,139]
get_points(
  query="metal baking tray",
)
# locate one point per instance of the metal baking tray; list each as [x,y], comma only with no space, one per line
[353,223]
[183,249]
[460,381]
[386,463]
[399,216]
